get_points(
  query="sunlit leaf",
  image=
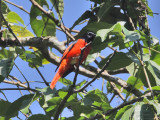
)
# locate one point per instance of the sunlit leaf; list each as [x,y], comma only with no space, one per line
[122,111]
[21,31]
[91,58]
[14,18]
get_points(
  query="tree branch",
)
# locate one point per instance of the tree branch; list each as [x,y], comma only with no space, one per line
[89,71]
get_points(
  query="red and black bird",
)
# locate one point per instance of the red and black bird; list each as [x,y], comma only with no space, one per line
[71,56]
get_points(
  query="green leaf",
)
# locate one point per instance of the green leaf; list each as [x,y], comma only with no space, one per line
[157,106]
[4,118]
[142,76]
[104,9]
[155,40]
[143,112]
[39,21]
[6,66]
[21,31]
[132,68]
[91,58]
[155,88]
[48,93]
[81,83]
[120,60]
[39,117]
[4,105]
[72,98]
[81,110]
[21,104]
[94,27]
[14,18]
[127,115]
[122,111]
[133,58]
[6,62]
[155,56]
[4,53]
[5,9]
[65,81]
[130,35]
[87,14]
[154,68]
[103,33]
[137,83]
[59,7]
[95,96]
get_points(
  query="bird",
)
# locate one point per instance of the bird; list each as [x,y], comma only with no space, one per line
[71,56]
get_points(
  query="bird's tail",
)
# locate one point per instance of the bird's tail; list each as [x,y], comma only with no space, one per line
[55,79]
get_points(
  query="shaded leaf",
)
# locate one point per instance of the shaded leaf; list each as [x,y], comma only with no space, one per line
[19,104]
[133,58]
[154,68]
[39,117]
[6,62]
[143,112]
[59,7]
[4,105]
[5,9]
[120,60]
[87,14]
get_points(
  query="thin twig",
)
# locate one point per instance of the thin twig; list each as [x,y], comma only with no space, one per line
[20,7]
[112,98]
[97,75]
[19,89]
[117,91]
[22,75]
[47,84]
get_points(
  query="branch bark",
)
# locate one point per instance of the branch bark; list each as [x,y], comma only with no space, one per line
[43,43]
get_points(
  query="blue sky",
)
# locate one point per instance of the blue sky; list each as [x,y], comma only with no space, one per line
[72,10]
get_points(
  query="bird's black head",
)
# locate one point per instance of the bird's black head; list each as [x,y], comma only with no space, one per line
[89,36]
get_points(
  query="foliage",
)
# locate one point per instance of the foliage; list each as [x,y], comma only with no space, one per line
[127,32]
